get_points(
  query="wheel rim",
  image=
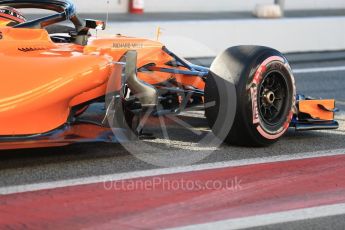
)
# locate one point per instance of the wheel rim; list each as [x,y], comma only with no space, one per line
[273,99]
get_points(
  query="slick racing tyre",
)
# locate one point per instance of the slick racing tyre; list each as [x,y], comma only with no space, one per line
[265,92]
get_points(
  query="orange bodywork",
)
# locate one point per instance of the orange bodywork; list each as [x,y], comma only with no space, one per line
[42,80]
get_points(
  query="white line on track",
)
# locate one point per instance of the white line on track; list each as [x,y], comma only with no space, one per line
[270,219]
[340,102]
[319,69]
[165,171]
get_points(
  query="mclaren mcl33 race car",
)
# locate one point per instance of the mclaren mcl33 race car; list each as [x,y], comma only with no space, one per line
[52,74]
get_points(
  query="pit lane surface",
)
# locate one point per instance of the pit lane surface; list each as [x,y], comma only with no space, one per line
[46,165]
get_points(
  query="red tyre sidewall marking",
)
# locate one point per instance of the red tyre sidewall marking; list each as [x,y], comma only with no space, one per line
[258,77]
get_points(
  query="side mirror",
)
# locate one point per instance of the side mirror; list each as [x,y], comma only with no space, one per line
[95,24]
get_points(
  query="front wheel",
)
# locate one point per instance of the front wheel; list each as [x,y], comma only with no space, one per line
[265,91]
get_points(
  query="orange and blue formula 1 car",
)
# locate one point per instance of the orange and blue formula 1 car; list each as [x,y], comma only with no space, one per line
[53,74]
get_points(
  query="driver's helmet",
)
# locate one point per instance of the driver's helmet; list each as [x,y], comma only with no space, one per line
[9,16]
